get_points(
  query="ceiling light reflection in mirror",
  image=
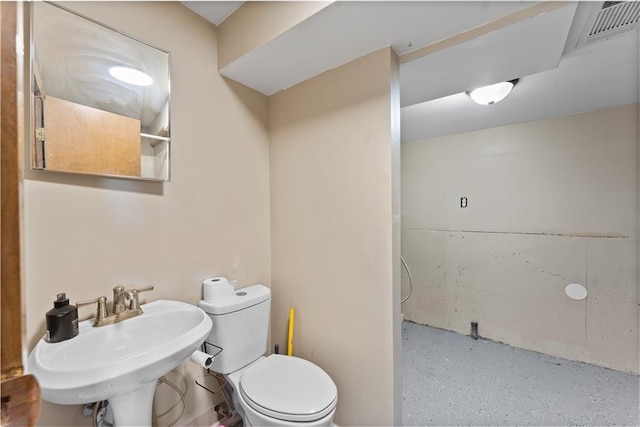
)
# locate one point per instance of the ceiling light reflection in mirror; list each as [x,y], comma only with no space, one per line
[131,76]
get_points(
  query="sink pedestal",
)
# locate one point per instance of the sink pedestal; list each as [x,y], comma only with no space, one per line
[134,408]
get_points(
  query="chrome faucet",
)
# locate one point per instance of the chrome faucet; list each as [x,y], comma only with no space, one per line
[121,311]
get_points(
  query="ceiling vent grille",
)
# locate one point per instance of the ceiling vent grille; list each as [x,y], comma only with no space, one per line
[614,17]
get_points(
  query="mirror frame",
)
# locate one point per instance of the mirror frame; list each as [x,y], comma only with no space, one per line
[36,113]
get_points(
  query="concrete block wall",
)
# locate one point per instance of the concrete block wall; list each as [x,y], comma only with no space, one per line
[549,203]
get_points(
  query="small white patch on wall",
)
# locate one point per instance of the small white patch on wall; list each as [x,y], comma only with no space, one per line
[576,291]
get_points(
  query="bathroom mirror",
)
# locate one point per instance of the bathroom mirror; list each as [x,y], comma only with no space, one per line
[100,99]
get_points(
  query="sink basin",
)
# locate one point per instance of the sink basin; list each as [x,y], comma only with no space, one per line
[120,362]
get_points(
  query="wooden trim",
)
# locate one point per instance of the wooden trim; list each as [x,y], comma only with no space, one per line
[11,317]
[20,401]
[20,394]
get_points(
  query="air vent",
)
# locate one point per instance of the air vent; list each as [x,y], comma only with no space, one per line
[610,3]
[614,17]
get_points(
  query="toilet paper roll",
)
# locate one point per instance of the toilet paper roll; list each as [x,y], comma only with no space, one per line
[217,289]
[215,281]
[203,359]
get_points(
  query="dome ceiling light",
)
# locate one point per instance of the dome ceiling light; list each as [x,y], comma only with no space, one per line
[489,95]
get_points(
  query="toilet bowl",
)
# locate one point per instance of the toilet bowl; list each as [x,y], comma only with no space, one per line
[284,391]
[273,390]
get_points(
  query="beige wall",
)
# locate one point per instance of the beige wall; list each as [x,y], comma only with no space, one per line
[550,203]
[331,208]
[84,235]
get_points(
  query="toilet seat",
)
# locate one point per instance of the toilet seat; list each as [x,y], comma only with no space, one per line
[288,388]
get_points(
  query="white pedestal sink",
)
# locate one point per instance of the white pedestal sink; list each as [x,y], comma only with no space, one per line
[122,362]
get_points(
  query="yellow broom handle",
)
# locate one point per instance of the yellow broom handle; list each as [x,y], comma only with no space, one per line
[290,340]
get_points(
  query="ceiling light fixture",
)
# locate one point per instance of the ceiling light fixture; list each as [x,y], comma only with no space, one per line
[489,95]
[131,76]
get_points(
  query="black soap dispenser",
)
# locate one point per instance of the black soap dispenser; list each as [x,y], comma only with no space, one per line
[62,320]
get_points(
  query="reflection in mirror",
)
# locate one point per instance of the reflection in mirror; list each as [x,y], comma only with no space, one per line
[100,98]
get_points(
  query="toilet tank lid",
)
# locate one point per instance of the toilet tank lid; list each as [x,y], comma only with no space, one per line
[242,298]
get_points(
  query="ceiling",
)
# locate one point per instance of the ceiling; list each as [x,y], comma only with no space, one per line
[214,11]
[447,48]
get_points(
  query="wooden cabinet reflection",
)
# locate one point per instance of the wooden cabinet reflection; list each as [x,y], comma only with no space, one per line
[83,139]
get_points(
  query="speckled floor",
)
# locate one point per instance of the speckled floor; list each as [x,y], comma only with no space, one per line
[451,379]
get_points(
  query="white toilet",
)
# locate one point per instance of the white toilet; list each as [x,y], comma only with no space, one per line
[276,390]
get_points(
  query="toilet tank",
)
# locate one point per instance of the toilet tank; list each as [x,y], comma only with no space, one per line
[240,328]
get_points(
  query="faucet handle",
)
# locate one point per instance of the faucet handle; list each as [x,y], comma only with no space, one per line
[134,302]
[145,289]
[101,312]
